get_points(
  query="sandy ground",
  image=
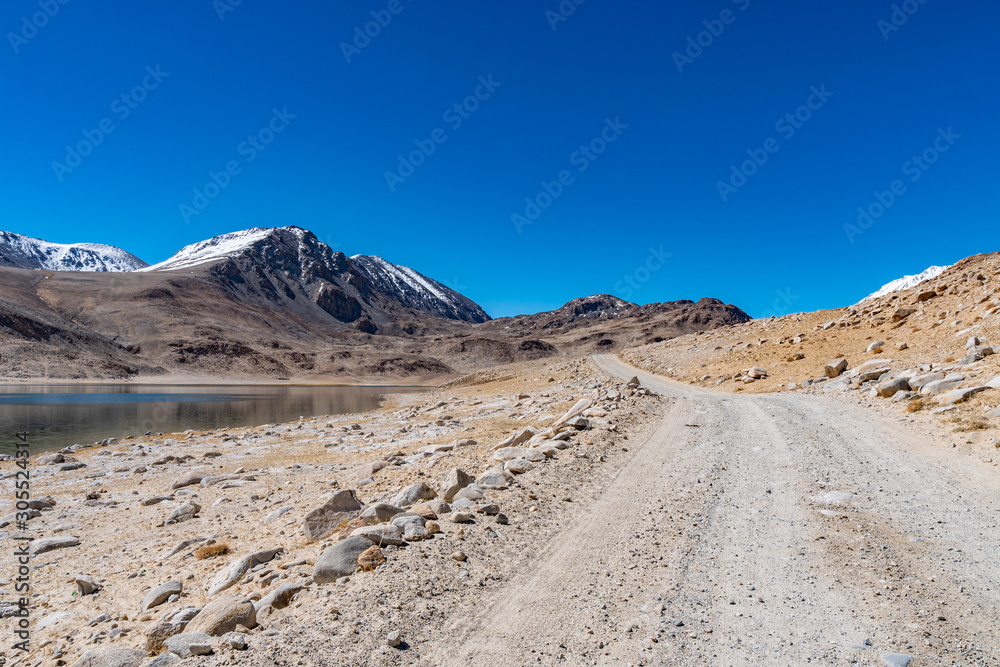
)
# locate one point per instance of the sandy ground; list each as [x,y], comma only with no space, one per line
[766,530]
[690,528]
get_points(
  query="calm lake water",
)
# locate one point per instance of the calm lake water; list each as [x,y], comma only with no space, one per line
[60,415]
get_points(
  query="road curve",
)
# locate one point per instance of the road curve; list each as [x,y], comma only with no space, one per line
[759,530]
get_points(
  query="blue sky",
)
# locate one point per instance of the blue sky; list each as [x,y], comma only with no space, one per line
[604,127]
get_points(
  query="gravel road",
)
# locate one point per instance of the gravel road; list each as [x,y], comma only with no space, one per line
[758,530]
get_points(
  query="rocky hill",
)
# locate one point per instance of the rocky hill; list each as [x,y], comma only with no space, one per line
[929,346]
[279,303]
[24,252]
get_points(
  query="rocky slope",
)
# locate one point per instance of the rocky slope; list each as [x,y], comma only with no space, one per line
[928,347]
[906,282]
[604,323]
[279,303]
[24,252]
[243,545]
[557,515]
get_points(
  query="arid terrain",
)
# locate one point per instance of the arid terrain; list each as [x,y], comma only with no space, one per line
[278,305]
[817,488]
[610,522]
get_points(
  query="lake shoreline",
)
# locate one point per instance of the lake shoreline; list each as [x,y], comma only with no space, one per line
[61,416]
[215,380]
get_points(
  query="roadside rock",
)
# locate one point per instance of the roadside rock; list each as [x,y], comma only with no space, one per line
[382,511]
[916,383]
[960,395]
[889,388]
[189,644]
[278,598]
[185,512]
[223,615]
[939,387]
[456,480]
[189,479]
[343,506]
[85,584]
[161,594]
[111,656]
[413,494]
[238,568]
[47,544]
[370,559]
[576,410]
[340,560]
[836,367]
[170,624]
[381,535]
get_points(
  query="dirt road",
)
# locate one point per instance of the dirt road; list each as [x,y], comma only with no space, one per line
[764,530]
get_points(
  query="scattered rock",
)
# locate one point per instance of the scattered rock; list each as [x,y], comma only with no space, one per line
[238,568]
[381,535]
[896,659]
[340,560]
[170,624]
[413,494]
[493,479]
[223,615]
[343,506]
[189,644]
[370,559]
[85,584]
[111,656]
[889,388]
[382,511]
[456,480]
[161,594]
[960,395]
[518,466]
[576,410]
[876,346]
[185,512]
[836,367]
[394,639]
[47,544]
[277,514]
[278,598]
[190,479]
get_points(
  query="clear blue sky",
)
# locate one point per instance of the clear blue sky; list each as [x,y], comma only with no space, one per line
[775,243]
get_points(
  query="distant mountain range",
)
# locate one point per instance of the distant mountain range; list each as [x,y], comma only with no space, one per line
[24,252]
[273,303]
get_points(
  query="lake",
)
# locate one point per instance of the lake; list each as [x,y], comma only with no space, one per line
[57,416]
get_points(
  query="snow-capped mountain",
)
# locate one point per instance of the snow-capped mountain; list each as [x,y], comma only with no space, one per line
[212,250]
[284,263]
[24,252]
[906,282]
[417,291]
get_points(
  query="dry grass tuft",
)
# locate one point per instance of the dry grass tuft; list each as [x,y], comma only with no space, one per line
[211,551]
[970,424]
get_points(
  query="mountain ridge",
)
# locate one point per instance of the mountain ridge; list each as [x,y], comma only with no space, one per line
[25,252]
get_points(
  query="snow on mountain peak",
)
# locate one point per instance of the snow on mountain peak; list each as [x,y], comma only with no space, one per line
[25,252]
[906,282]
[212,250]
